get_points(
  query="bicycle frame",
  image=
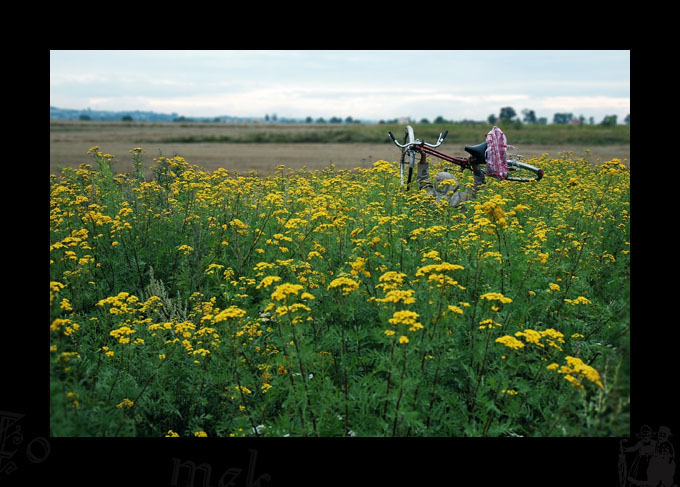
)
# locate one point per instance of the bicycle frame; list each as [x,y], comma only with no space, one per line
[411,146]
[461,161]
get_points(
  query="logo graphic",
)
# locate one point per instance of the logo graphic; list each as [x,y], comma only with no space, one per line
[648,462]
[228,478]
[35,451]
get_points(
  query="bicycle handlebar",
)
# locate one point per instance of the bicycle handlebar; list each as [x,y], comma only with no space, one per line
[394,139]
[513,164]
[418,142]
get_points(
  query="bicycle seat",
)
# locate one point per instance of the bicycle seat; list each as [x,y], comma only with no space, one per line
[477,151]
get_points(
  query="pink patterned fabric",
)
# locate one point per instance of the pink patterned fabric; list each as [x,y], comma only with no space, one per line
[496,154]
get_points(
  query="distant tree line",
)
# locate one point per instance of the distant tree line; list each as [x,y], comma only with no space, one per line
[506,115]
[509,115]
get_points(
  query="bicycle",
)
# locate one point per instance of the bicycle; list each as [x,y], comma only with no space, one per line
[411,146]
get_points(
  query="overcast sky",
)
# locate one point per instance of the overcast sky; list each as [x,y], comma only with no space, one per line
[370,85]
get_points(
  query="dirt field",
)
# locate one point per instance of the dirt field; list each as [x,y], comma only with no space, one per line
[69,143]
[265,157]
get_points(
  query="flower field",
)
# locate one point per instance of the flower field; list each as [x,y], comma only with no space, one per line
[333,303]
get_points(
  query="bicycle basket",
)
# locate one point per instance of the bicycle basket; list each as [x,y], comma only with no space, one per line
[496,154]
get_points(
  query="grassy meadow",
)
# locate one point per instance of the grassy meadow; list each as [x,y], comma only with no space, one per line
[250,133]
[331,302]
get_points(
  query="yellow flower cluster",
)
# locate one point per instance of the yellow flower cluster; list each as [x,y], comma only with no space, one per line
[575,371]
[489,323]
[438,268]
[496,297]
[282,291]
[613,167]
[293,308]
[398,296]
[232,312]
[407,318]
[268,281]
[436,276]
[69,327]
[497,256]
[391,280]
[553,337]
[492,209]
[243,389]
[359,267]
[510,342]
[125,403]
[456,309]
[384,167]
[55,288]
[346,284]
[185,249]
[122,334]
[240,227]
[433,254]
[126,303]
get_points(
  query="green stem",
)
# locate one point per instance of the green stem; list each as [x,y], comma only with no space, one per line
[389,377]
[304,377]
[344,374]
[479,374]
[290,368]
[401,391]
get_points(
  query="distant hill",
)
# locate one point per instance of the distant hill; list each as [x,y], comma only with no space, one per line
[141,116]
[136,116]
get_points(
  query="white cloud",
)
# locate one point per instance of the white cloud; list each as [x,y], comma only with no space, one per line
[328,101]
[361,84]
[571,103]
[120,103]
[362,103]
